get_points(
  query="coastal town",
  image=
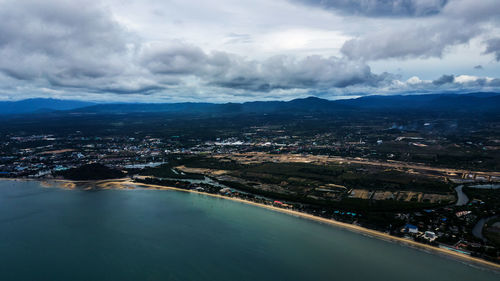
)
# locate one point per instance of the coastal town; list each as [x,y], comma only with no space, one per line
[454,208]
[285,140]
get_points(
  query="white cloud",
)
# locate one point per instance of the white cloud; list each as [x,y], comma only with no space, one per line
[466,79]
[414,80]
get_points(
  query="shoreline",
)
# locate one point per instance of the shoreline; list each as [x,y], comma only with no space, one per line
[129,184]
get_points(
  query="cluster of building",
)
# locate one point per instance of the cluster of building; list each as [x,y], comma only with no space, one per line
[41,156]
[38,155]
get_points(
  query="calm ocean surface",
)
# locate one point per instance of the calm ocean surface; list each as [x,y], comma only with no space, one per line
[54,234]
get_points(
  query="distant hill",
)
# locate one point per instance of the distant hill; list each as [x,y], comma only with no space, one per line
[39,105]
[473,102]
[311,104]
[149,107]
[429,102]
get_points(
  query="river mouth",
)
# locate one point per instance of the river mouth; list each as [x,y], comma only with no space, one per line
[153,235]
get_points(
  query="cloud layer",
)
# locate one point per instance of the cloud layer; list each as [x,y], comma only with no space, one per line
[130,50]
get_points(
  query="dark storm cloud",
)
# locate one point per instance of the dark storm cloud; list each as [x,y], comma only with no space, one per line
[478,67]
[105,87]
[493,47]
[444,80]
[278,72]
[381,8]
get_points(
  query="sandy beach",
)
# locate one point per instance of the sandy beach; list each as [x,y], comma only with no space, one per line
[129,184]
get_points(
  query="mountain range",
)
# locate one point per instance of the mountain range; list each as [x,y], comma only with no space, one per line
[477,102]
[40,105]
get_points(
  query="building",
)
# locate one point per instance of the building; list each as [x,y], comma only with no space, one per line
[429,235]
[410,228]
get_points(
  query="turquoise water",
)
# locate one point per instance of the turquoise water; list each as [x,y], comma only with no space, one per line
[55,234]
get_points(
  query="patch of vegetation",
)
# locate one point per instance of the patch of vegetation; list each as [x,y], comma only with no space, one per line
[351,176]
[490,198]
[91,172]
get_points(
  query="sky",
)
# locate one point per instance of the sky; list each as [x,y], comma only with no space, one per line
[245,50]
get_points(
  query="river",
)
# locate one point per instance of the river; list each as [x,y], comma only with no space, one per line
[56,234]
[462,197]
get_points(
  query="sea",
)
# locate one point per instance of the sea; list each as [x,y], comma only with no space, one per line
[49,233]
